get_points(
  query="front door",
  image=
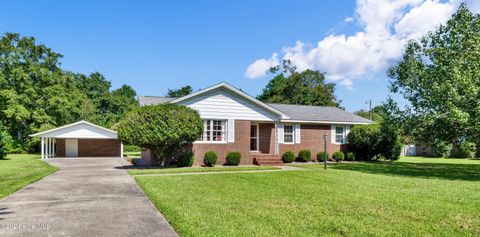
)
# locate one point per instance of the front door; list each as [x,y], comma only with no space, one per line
[71,147]
[254,137]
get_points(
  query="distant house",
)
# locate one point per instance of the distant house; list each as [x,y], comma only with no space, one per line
[261,132]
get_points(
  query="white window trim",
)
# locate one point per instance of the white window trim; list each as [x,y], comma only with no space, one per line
[225,133]
[258,137]
[293,134]
[346,130]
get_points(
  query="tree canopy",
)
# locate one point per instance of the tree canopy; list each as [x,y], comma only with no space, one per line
[36,94]
[176,93]
[439,77]
[304,88]
[161,128]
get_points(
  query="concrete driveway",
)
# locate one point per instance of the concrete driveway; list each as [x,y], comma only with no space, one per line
[86,197]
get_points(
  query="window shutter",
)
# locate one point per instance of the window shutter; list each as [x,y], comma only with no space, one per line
[332,134]
[231,130]
[280,133]
[347,130]
[297,133]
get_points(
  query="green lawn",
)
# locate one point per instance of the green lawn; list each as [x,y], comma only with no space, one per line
[411,197]
[18,171]
[198,169]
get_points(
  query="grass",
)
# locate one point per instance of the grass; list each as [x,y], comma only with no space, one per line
[198,169]
[411,197]
[18,171]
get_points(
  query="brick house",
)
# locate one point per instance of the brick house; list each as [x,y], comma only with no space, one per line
[236,121]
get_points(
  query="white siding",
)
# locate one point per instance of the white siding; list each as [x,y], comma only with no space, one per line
[221,104]
[81,131]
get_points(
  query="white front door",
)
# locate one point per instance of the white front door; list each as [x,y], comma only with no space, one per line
[71,147]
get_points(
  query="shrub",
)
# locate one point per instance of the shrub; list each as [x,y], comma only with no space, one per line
[389,145]
[305,155]
[350,156]
[338,156]
[441,148]
[233,158]
[161,128]
[288,157]
[321,156]
[467,150]
[130,148]
[3,152]
[210,158]
[186,159]
[363,140]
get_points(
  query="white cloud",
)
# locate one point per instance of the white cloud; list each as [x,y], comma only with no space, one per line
[349,19]
[259,67]
[386,26]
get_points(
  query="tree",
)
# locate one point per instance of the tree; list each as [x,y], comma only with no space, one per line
[176,93]
[378,113]
[161,128]
[3,152]
[292,87]
[439,77]
[371,142]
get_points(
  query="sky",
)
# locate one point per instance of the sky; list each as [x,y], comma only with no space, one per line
[156,45]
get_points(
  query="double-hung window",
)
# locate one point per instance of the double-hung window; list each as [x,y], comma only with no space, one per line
[288,133]
[213,131]
[341,134]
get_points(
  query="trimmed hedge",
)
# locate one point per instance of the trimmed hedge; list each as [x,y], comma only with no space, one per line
[350,156]
[210,158]
[186,159]
[288,157]
[338,156]
[467,150]
[233,158]
[321,156]
[305,155]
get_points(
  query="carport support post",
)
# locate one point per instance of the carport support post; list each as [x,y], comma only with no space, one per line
[121,150]
[42,147]
[46,147]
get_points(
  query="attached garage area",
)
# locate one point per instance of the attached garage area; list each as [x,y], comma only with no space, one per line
[80,139]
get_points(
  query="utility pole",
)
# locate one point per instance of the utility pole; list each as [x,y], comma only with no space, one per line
[370,112]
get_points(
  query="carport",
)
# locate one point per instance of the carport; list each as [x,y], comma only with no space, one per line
[80,139]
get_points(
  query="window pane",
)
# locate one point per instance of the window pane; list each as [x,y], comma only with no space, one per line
[288,133]
[253,144]
[288,138]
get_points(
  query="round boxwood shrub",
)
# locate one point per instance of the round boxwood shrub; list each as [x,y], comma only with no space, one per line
[288,157]
[321,156]
[441,148]
[467,150]
[350,156]
[338,156]
[305,155]
[210,158]
[186,159]
[233,158]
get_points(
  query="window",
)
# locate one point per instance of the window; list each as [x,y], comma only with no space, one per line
[213,131]
[288,133]
[254,137]
[341,134]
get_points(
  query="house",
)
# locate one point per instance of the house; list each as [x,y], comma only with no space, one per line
[80,139]
[261,132]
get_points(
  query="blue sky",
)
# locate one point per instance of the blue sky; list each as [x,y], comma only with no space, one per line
[153,45]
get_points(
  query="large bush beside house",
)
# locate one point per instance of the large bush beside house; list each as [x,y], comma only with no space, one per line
[441,148]
[163,129]
[338,156]
[210,158]
[321,156]
[467,150]
[350,156]
[288,157]
[233,158]
[305,155]
[186,159]
[372,142]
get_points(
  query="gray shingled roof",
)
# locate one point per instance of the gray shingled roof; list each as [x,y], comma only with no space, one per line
[319,113]
[153,100]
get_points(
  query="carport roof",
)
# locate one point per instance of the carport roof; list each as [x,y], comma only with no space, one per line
[80,129]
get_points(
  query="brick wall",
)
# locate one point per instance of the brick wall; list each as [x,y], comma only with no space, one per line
[91,147]
[311,137]
[60,147]
[241,144]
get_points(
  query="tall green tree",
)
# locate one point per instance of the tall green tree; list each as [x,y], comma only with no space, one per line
[176,93]
[304,88]
[439,77]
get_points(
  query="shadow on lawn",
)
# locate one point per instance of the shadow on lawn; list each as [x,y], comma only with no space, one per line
[420,170]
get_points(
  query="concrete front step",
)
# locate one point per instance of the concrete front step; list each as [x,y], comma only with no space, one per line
[268,160]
